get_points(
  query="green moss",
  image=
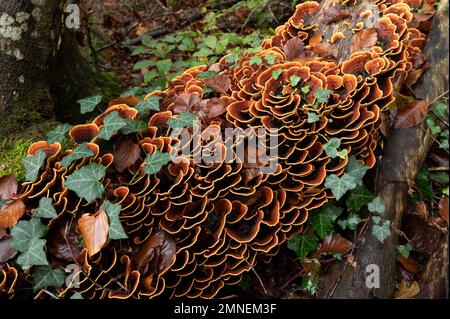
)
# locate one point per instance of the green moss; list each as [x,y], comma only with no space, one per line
[11,154]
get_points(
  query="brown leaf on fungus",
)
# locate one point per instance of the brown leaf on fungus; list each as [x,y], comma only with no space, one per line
[406,291]
[443,208]
[320,47]
[128,100]
[94,230]
[219,83]
[408,264]
[11,213]
[8,186]
[6,252]
[126,153]
[184,102]
[411,115]
[334,245]
[63,242]
[364,40]
[335,14]
[294,48]
[156,254]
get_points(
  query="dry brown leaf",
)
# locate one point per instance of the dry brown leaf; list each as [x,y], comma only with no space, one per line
[334,245]
[8,186]
[405,291]
[11,213]
[409,264]
[126,153]
[411,114]
[443,208]
[128,100]
[294,49]
[219,83]
[334,14]
[62,242]
[364,40]
[184,102]
[6,252]
[94,230]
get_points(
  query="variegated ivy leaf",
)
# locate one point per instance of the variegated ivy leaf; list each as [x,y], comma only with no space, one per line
[183,120]
[340,185]
[115,226]
[155,161]
[78,153]
[33,165]
[45,209]
[151,103]
[58,134]
[46,276]
[88,104]
[113,122]
[86,181]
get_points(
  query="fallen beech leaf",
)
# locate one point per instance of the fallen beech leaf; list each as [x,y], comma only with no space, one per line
[294,48]
[63,242]
[411,115]
[334,245]
[94,229]
[156,254]
[219,83]
[408,264]
[211,108]
[334,14]
[320,47]
[126,153]
[184,102]
[407,292]
[443,208]
[364,40]
[8,186]
[11,213]
[6,252]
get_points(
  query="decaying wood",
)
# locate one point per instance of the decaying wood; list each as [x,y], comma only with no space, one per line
[405,151]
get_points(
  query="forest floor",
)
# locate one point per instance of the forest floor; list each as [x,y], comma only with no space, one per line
[146,45]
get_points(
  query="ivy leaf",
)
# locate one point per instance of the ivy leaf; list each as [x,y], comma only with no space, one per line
[133,126]
[35,254]
[155,161]
[143,64]
[351,222]
[305,89]
[210,41]
[356,169]
[359,197]
[313,117]
[270,59]
[150,75]
[382,231]
[113,122]
[46,276]
[322,222]
[115,226]
[76,295]
[232,58]
[33,165]
[404,250]
[256,60]
[45,209]
[88,104]
[3,203]
[440,110]
[276,73]
[58,134]
[295,80]
[340,186]
[322,95]
[303,245]
[164,66]
[78,153]
[185,119]
[85,182]
[151,103]
[25,231]
[332,146]
[377,206]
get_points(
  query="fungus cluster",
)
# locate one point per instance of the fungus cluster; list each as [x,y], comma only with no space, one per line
[195,227]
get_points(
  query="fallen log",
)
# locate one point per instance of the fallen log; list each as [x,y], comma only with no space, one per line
[404,153]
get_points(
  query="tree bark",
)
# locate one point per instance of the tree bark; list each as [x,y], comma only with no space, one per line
[29,35]
[405,153]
